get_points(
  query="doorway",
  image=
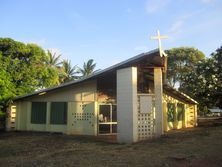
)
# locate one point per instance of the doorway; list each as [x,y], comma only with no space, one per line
[107,119]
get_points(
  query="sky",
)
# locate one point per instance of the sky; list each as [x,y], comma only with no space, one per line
[112,31]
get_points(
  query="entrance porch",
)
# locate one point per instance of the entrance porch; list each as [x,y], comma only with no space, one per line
[128,105]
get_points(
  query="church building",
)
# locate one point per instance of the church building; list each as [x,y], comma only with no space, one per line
[130,99]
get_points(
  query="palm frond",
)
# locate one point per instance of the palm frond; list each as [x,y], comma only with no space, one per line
[88,68]
[53,59]
[69,72]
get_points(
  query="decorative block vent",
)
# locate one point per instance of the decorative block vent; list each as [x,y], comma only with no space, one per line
[145,120]
[191,119]
[83,115]
[11,117]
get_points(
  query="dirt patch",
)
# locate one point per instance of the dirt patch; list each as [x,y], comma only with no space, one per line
[190,147]
[209,121]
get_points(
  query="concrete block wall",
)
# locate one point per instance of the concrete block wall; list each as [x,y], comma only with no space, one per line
[127,117]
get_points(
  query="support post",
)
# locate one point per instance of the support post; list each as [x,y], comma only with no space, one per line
[175,121]
[195,115]
[127,116]
[48,108]
[185,116]
[158,86]
[28,118]
[165,116]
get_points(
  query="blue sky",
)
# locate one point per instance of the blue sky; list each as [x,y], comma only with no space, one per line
[114,30]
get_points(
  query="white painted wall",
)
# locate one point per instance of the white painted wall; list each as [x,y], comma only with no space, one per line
[77,95]
[158,88]
[85,91]
[127,116]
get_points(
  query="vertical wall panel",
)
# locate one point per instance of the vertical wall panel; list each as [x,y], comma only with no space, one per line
[127,115]
[158,89]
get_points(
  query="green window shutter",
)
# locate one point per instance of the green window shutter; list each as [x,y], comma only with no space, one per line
[180,111]
[38,112]
[170,112]
[58,113]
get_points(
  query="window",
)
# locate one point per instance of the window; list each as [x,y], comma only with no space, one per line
[58,113]
[170,112]
[180,111]
[104,114]
[38,113]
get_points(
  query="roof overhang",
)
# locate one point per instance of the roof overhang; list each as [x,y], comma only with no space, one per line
[151,59]
[178,95]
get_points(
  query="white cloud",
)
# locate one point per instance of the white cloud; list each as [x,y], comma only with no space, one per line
[192,14]
[153,6]
[176,27]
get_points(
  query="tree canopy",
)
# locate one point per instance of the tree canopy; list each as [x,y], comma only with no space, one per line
[181,61]
[204,83]
[27,67]
[198,76]
[24,69]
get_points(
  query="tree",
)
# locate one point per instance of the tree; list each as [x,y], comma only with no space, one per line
[7,88]
[23,69]
[88,68]
[204,83]
[181,61]
[54,66]
[68,72]
[217,76]
[53,59]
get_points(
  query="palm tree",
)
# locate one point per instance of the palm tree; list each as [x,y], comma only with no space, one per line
[88,68]
[53,59]
[68,72]
[54,65]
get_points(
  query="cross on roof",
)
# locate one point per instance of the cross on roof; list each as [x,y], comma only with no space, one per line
[159,37]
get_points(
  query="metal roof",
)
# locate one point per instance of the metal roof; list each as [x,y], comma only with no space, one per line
[116,66]
[179,95]
[122,64]
[215,110]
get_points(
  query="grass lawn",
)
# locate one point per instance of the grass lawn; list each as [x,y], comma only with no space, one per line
[192,147]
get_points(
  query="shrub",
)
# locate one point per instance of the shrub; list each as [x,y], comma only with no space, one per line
[2,120]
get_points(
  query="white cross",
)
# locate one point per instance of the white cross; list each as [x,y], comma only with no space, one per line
[159,37]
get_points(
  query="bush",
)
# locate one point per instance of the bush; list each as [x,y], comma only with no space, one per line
[2,120]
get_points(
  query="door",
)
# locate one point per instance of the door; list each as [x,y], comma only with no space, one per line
[107,119]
